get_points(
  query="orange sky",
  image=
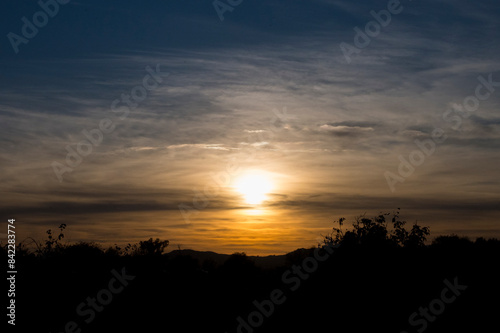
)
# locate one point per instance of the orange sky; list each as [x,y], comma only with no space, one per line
[111,123]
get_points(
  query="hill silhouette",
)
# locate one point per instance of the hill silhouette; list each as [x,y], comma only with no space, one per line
[271,261]
[376,276]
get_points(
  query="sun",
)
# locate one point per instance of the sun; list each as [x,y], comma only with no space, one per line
[254,186]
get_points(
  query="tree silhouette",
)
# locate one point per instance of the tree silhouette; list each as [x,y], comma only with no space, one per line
[151,247]
[382,274]
[374,232]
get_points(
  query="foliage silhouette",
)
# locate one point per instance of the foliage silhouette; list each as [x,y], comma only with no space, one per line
[381,273]
[49,246]
[151,247]
[373,233]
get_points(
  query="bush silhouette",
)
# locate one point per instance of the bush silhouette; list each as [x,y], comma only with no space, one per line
[50,246]
[373,232]
[151,247]
[381,274]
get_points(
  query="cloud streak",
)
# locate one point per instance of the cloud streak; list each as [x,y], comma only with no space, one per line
[346,124]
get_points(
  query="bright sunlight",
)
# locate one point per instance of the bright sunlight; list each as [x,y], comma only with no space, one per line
[254,186]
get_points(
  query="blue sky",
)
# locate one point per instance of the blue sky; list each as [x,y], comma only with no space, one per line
[269,89]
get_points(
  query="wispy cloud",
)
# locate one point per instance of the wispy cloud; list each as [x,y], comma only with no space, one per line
[349,122]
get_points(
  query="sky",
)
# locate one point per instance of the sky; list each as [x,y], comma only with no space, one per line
[130,120]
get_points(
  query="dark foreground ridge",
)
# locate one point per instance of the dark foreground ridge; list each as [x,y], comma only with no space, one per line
[365,279]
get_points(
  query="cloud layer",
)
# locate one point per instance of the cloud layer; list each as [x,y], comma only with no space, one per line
[268,88]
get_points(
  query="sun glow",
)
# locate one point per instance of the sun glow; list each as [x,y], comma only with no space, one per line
[254,187]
